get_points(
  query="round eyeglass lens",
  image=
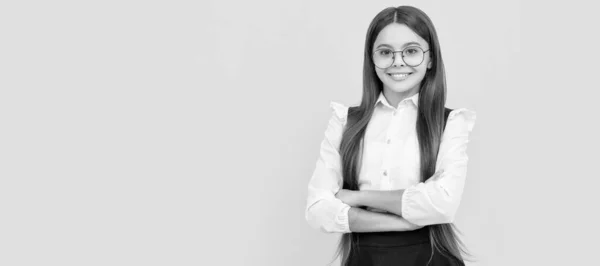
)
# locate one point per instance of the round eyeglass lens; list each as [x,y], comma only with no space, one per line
[383,58]
[412,56]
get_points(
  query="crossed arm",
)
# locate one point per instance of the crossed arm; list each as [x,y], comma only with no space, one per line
[361,220]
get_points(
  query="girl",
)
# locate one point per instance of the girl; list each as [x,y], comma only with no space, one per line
[391,171]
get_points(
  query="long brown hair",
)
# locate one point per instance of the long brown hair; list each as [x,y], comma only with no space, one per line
[429,126]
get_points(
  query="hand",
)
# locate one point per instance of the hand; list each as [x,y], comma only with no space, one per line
[349,197]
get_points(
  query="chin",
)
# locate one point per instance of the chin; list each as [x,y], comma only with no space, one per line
[396,87]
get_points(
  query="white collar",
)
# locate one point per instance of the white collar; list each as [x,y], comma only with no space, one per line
[383,100]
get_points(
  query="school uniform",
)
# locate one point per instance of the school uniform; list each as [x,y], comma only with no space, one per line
[390,160]
[406,248]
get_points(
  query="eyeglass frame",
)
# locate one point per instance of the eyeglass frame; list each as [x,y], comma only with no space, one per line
[402,56]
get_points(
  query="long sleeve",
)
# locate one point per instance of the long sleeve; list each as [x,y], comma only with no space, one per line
[436,201]
[323,210]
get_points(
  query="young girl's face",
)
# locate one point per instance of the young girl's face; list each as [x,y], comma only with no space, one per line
[400,77]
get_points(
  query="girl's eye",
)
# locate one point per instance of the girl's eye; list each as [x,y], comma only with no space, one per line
[385,52]
[412,51]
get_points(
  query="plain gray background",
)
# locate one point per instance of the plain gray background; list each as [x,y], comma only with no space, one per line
[180,133]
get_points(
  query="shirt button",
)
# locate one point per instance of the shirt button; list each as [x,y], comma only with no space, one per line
[385,173]
[388,141]
[395,113]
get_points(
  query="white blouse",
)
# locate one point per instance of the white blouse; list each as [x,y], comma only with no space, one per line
[391,161]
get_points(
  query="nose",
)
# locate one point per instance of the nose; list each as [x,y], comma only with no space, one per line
[398,59]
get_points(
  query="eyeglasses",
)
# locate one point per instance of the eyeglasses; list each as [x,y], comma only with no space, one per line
[411,56]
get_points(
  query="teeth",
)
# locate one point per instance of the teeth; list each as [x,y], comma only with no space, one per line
[399,76]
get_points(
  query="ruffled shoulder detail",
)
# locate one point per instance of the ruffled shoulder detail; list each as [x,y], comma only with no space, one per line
[340,111]
[464,114]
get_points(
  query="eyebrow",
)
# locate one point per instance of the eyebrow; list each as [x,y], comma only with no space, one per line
[405,45]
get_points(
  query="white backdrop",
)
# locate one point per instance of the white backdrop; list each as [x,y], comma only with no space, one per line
[180,133]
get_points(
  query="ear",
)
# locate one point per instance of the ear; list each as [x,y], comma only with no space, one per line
[429,65]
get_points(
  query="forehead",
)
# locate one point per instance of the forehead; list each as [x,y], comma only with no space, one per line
[396,35]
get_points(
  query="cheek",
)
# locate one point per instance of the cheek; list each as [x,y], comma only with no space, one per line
[422,69]
[380,74]
[420,75]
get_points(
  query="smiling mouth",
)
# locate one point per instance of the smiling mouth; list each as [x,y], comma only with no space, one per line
[399,76]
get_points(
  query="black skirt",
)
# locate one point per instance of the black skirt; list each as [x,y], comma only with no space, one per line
[408,248]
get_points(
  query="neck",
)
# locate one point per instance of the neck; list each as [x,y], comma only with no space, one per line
[394,97]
